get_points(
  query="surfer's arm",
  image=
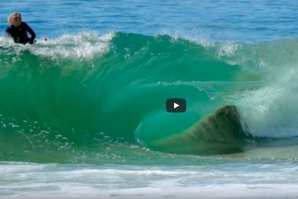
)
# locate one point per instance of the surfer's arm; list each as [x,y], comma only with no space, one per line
[32,33]
[8,32]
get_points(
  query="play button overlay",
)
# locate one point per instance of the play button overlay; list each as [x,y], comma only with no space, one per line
[176,105]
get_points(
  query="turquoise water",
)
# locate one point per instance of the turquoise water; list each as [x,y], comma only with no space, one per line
[82,114]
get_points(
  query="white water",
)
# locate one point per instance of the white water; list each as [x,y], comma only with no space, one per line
[260,180]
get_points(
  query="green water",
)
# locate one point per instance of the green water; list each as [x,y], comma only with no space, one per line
[51,102]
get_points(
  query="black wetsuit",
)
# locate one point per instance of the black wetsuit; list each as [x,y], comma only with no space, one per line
[19,33]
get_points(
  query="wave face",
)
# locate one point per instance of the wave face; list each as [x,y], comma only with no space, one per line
[77,91]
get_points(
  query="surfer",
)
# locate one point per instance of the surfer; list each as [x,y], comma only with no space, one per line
[18,30]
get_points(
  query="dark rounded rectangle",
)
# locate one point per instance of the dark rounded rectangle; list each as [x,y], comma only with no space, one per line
[176,105]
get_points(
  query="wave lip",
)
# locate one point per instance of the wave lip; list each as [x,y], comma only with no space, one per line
[85,45]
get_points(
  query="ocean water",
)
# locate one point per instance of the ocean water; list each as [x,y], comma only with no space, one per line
[82,112]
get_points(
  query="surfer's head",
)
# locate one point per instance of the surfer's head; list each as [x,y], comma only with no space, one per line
[15,19]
